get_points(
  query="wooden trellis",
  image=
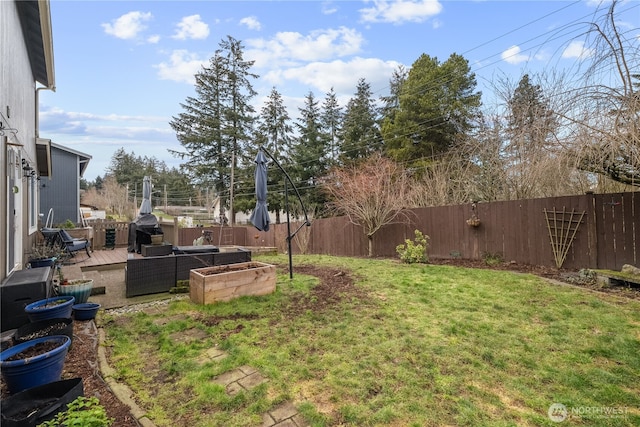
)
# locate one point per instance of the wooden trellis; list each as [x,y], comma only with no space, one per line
[562,226]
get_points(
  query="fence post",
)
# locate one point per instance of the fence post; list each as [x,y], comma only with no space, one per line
[176,235]
[592,234]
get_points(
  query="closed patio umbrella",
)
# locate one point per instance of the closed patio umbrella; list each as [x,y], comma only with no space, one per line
[145,206]
[260,216]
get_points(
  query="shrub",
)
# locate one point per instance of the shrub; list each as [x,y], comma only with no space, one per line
[68,224]
[492,258]
[82,412]
[416,251]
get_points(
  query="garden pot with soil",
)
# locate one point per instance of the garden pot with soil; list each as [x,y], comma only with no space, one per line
[34,406]
[34,363]
[85,311]
[44,328]
[50,308]
[80,289]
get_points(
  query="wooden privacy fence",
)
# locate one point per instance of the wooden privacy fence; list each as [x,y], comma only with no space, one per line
[586,231]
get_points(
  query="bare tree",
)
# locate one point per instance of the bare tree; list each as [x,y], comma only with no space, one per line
[446,181]
[372,193]
[115,197]
[303,236]
[605,108]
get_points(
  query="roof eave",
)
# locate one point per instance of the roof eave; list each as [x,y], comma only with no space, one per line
[47,43]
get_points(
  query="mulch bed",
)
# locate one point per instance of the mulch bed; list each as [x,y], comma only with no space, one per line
[82,362]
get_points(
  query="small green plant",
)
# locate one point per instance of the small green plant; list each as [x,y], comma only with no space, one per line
[82,412]
[416,251]
[492,258]
[68,224]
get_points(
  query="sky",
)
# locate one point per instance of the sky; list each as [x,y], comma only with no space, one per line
[123,68]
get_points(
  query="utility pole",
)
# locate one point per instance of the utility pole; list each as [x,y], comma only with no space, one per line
[231,214]
[165,198]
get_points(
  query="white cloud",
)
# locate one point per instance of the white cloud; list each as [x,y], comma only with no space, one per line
[251,23]
[399,11]
[576,49]
[343,76]
[191,27]
[154,39]
[290,47]
[182,67]
[328,8]
[513,55]
[128,26]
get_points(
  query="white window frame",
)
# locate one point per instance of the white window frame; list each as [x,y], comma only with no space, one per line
[32,203]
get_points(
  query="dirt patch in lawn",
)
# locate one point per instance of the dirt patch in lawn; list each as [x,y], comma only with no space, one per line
[334,287]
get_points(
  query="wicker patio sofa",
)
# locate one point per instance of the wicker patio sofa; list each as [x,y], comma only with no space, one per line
[157,274]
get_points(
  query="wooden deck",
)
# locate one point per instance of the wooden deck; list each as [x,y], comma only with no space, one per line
[100,258]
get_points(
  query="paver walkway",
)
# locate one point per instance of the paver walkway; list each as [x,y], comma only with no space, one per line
[245,378]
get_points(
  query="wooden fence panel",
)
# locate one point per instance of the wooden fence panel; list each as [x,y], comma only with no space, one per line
[607,237]
[516,229]
[99,233]
[617,225]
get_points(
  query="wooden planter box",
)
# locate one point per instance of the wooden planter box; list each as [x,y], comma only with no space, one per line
[226,282]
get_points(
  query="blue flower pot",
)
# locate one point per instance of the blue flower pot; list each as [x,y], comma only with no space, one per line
[46,309]
[42,262]
[37,370]
[80,289]
[85,311]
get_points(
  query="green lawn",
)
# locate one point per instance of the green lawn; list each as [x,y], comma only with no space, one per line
[407,345]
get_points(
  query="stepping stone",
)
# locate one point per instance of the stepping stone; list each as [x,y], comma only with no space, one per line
[229,377]
[248,370]
[234,388]
[211,355]
[251,381]
[284,411]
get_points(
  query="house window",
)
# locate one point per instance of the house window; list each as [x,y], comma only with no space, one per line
[32,190]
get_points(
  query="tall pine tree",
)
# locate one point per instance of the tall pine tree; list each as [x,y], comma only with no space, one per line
[309,155]
[331,119]
[216,124]
[360,132]
[437,103]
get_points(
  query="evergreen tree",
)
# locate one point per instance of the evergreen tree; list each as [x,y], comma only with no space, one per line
[309,155]
[216,125]
[531,121]
[391,103]
[274,132]
[436,105]
[331,120]
[360,131]
[531,125]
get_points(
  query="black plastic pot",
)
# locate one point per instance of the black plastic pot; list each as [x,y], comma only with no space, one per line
[36,405]
[44,328]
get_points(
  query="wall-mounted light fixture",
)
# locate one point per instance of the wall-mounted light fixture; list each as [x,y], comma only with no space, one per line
[27,170]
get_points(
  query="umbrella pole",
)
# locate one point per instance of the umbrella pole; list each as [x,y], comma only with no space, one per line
[286,203]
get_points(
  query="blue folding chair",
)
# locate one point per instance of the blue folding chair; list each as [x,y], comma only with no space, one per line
[72,245]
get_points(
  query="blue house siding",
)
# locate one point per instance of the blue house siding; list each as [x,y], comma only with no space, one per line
[62,191]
